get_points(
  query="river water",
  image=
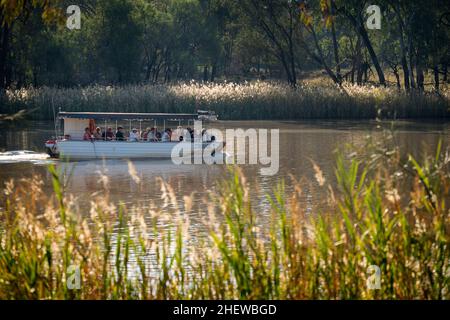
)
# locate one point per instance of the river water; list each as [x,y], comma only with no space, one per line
[299,143]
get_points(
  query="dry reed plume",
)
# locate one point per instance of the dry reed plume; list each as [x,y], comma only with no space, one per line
[387,212]
[249,100]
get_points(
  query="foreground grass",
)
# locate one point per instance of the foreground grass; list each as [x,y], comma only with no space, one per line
[247,101]
[386,211]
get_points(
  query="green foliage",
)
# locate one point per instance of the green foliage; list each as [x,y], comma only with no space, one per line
[118,37]
[136,253]
[156,41]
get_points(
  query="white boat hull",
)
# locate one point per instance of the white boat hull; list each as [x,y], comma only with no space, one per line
[79,150]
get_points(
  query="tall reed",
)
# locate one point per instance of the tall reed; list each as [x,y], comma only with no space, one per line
[388,212]
[249,100]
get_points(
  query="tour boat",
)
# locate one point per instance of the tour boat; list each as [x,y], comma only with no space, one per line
[72,145]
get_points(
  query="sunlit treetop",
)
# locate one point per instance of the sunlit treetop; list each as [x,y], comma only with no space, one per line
[306,14]
[11,10]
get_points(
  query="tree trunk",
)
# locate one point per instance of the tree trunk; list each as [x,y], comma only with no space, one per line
[358,62]
[404,62]
[167,74]
[148,72]
[292,64]
[205,73]
[35,79]
[420,77]
[405,72]
[352,74]
[359,27]
[151,60]
[397,76]
[321,59]
[445,72]
[335,45]
[4,49]
[282,57]
[373,56]
[411,64]
[157,71]
[285,55]
[213,71]
[366,71]
[180,70]
[436,77]
[167,62]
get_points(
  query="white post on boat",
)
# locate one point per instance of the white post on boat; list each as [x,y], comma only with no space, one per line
[140,128]
[106,129]
[116,126]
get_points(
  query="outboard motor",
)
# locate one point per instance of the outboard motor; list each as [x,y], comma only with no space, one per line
[52,151]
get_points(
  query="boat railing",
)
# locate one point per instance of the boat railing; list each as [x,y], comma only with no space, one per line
[62,138]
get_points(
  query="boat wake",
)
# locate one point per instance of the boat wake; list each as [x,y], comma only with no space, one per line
[23,156]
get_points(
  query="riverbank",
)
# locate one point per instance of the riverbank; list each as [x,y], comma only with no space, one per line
[247,101]
[387,216]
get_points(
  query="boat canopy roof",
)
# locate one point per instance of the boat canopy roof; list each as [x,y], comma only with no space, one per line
[127,116]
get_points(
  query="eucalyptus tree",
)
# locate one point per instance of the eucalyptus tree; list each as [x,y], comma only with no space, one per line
[278,20]
[318,19]
[10,14]
[355,12]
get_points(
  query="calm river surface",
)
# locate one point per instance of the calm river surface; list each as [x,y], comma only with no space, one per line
[299,142]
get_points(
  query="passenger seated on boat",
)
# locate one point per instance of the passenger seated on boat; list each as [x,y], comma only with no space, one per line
[134,135]
[144,134]
[151,135]
[119,134]
[166,135]
[158,136]
[87,134]
[186,133]
[98,134]
[109,134]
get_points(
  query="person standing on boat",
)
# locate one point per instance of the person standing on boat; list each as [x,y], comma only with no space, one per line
[87,134]
[119,134]
[134,135]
